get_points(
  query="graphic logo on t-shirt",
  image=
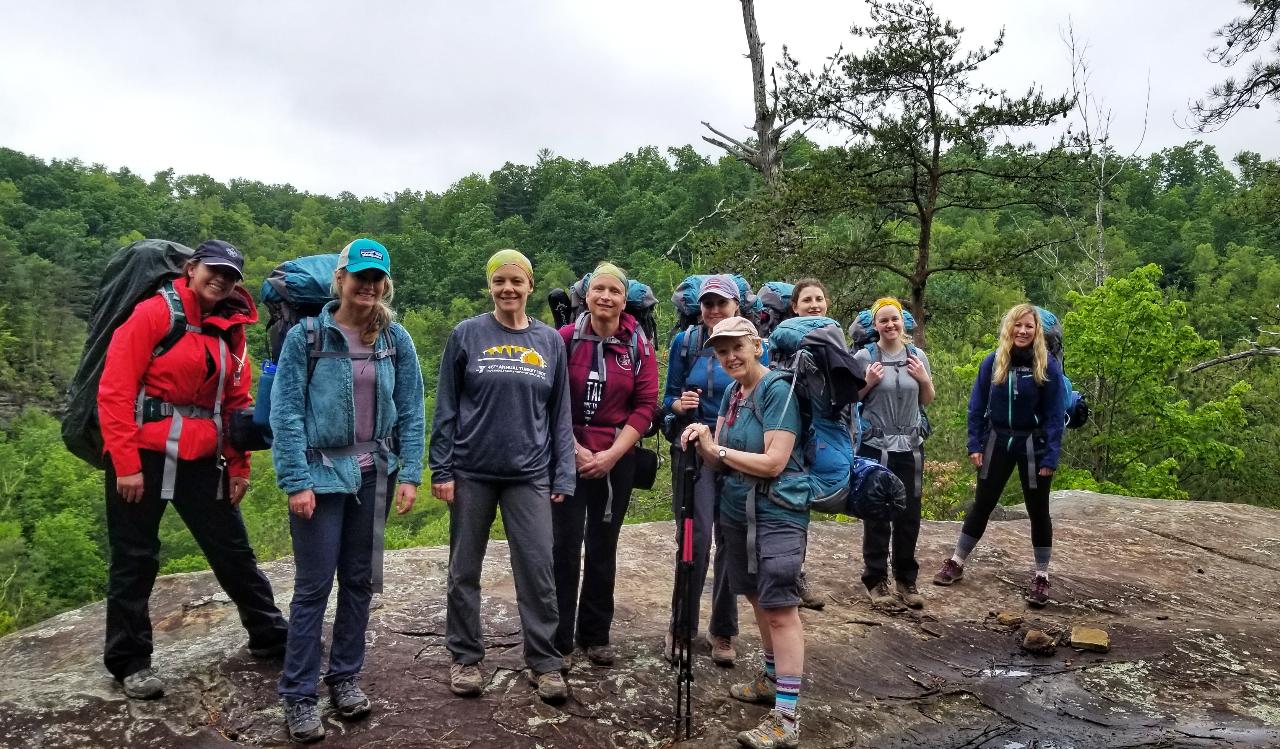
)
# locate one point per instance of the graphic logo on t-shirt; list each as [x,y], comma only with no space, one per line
[624,360]
[512,359]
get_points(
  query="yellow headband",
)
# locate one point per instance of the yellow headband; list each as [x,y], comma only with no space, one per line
[883,302]
[508,257]
[609,269]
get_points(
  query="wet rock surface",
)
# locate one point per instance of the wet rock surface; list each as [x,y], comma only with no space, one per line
[1194,660]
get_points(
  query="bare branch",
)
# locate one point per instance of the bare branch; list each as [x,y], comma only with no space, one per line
[1261,351]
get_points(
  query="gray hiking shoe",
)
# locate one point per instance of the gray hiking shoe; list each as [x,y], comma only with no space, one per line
[761,689]
[551,686]
[772,733]
[349,699]
[143,684]
[882,596]
[302,720]
[810,598]
[465,680]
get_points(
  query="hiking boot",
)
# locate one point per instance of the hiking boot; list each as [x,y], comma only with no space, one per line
[1038,594]
[882,597]
[465,680]
[760,690]
[551,686]
[600,655]
[722,652]
[302,720]
[909,594]
[143,684]
[349,699]
[772,733]
[951,572]
[810,598]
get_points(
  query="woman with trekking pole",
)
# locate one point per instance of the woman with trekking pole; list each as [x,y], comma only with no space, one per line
[893,431]
[696,384]
[347,414]
[163,404]
[613,387]
[1016,420]
[503,438]
[754,441]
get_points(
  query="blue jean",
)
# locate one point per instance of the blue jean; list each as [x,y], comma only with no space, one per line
[338,538]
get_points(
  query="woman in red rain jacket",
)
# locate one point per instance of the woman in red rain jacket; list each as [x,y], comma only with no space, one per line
[159,416]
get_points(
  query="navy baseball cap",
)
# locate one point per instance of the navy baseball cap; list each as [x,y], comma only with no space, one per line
[222,254]
[365,254]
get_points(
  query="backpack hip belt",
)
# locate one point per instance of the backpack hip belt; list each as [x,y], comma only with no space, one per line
[917,453]
[1029,438]
[148,406]
[379,449]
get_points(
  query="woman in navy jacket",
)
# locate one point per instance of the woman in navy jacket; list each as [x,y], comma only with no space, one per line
[1016,419]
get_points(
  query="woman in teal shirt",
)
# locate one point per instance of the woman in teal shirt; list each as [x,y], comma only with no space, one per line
[754,442]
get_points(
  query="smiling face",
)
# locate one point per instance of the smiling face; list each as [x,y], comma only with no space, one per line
[738,355]
[888,323]
[361,290]
[1024,330]
[606,297]
[211,283]
[716,308]
[510,288]
[809,302]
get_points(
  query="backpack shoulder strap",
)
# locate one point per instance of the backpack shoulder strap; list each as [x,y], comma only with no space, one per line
[178,326]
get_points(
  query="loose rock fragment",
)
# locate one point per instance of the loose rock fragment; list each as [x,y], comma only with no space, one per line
[1037,642]
[1090,638]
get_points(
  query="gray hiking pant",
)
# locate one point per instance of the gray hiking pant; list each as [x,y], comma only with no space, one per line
[526,517]
[706,527]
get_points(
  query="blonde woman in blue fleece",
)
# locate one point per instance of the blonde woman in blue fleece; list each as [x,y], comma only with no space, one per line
[347,415]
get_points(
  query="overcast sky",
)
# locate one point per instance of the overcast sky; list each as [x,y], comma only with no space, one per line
[375,97]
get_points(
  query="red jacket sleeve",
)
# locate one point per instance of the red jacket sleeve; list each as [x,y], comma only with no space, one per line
[128,356]
[237,397]
[644,395]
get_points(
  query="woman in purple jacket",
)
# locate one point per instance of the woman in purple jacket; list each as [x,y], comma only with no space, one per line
[613,389]
[1016,420]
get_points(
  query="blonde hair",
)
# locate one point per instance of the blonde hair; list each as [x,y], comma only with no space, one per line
[383,315]
[888,301]
[1004,349]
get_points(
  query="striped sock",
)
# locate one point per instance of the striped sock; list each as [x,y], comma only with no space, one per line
[788,696]
[769,669]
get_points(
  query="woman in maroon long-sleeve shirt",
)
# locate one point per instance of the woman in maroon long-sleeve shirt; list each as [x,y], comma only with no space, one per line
[613,387]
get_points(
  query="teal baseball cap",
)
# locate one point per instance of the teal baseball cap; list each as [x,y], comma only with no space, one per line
[365,254]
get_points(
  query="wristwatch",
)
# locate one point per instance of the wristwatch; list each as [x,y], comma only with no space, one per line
[723,452]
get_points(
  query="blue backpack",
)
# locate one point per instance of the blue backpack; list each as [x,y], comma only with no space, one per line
[295,292]
[567,306]
[689,311]
[1073,403]
[775,305]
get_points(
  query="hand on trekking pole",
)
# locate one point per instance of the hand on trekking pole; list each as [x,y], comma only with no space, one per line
[130,487]
[688,402]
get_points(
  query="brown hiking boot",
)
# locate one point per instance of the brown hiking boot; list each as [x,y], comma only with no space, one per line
[810,598]
[551,686]
[951,572]
[600,655]
[722,652]
[909,594]
[882,597]
[465,680]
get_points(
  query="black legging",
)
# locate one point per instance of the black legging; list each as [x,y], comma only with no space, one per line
[990,488]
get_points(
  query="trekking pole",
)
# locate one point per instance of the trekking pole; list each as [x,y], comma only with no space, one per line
[686,464]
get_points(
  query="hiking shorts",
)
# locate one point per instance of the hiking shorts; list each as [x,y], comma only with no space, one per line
[779,556]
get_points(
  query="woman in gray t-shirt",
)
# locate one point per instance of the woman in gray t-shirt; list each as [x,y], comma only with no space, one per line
[898,385]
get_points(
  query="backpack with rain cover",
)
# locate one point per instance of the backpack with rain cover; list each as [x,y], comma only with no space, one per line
[133,273]
[296,291]
[568,306]
[689,311]
[862,332]
[1073,403]
[775,305]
